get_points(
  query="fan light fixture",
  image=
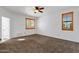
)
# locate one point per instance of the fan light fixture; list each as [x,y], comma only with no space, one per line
[38,9]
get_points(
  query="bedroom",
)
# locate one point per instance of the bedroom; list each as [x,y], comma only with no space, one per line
[47,33]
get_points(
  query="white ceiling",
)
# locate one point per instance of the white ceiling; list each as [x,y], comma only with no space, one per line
[28,10]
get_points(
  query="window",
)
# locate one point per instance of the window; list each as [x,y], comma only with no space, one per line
[67,21]
[30,23]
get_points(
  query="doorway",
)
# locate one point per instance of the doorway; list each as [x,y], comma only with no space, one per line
[5,29]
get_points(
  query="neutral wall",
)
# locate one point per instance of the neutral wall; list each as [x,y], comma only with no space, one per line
[3,13]
[17,24]
[50,25]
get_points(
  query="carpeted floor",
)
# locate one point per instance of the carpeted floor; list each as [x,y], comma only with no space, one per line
[38,44]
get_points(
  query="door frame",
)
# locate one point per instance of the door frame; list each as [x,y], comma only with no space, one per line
[3,40]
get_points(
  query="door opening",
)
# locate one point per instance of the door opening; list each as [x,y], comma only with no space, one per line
[5,29]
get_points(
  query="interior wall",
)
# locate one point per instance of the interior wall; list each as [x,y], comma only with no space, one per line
[50,24]
[17,25]
[3,13]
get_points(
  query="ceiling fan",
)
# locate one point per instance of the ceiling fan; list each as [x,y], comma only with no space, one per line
[38,9]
